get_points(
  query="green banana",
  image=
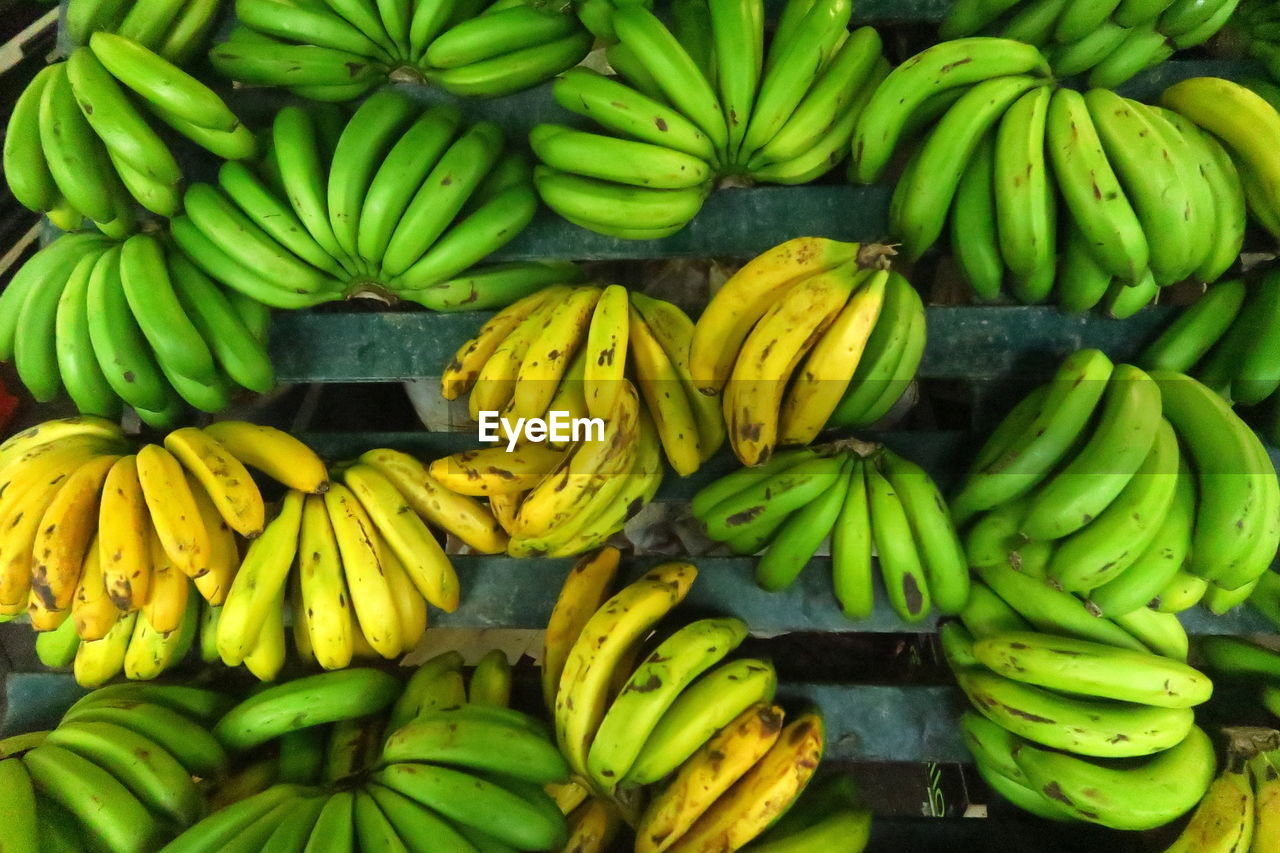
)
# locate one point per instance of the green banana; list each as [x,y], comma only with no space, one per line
[973,223]
[422,830]
[78,367]
[899,556]
[1026,206]
[459,738]
[941,552]
[1196,329]
[851,543]
[18,807]
[798,538]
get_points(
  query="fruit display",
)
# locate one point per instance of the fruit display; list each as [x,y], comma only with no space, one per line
[812,333]
[1075,729]
[1110,41]
[79,144]
[702,736]
[699,102]
[1122,487]
[177,32]
[397,200]
[339,51]
[1149,198]
[134,323]
[790,505]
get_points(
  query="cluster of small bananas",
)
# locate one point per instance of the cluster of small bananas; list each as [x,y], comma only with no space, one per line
[1229,340]
[703,100]
[720,760]
[339,51]
[790,505]
[78,144]
[1126,488]
[175,29]
[131,323]
[1112,41]
[1150,195]
[1256,26]
[396,199]
[813,333]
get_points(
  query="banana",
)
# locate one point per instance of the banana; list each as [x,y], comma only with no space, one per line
[1160,563]
[57,649]
[1025,206]
[241,354]
[584,591]
[151,652]
[373,831]
[25,167]
[606,351]
[1256,378]
[416,824]
[22,828]
[623,161]
[515,71]
[274,452]
[483,739]
[828,815]
[763,794]
[406,534]
[99,661]
[1073,395]
[122,351]
[1265,768]
[763,504]
[190,32]
[1144,796]
[477,803]
[1142,47]
[174,513]
[266,658]
[941,68]
[593,202]
[292,825]
[264,571]
[1224,820]
[1183,592]
[160,82]
[74,155]
[179,735]
[940,551]
[650,692]
[93,612]
[302,168]
[107,811]
[851,543]
[799,536]
[225,825]
[985,613]
[550,350]
[624,110]
[372,601]
[1196,329]
[698,713]
[707,776]
[168,591]
[665,395]
[973,218]
[223,477]
[78,367]
[493,471]
[604,639]
[899,555]
[494,285]
[323,586]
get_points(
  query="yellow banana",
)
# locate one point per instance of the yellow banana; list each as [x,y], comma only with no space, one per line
[592,827]
[570,397]
[223,476]
[549,353]
[170,588]
[93,611]
[322,589]
[124,535]
[495,471]
[828,369]
[55,431]
[463,516]
[423,558]
[224,554]
[584,590]
[707,776]
[461,373]
[496,380]
[660,383]
[174,514]
[371,598]
[62,538]
[1265,768]
[102,660]
[505,508]
[301,624]
[274,452]
[411,607]
[606,351]
[266,658]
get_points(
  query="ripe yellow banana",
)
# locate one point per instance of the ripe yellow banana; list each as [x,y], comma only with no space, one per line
[495,382]
[549,353]
[584,590]
[411,607]
[224,553]
[606,351]
[266,658]
[93,611]
[124,535]
[274,452]
[660,383]
[495,471]
[1265,768]
[223,476]
[321,585]
[371,598]
[170,587]
[174,514]
[461,373]
[505,508]
[828,369]
[55,431]
[571,397]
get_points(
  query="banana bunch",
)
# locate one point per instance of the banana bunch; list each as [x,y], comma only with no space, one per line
[1126,488]
[1074,729]
[1239,119]
[365,763]
[175,29]
[1149,199]
[103,544]
[337,51]
[131,322]
[1247,663]
[702,101]
[799,498]
[1111,40]
[79,144]
[1228,340]
[810,334]
[117,774]
[699,737]
[395,200]
[1241,811]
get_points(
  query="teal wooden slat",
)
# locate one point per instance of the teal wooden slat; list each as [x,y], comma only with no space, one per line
[964,342]
[35,700]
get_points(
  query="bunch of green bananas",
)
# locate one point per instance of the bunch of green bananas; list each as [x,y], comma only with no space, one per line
[1229,339]
[79,146]
[1149,199]
[365,763]
[1079,729]
[702,738]
[395,200]
[1124,487]
[813,333]
[130,322]
[578,350]
[174,29]
[701,103]
[117,774]
[1112,40]
[792,503]
[339,50]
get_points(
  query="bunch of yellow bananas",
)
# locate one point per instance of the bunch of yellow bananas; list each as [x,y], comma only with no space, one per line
[627,717]
[811,333]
